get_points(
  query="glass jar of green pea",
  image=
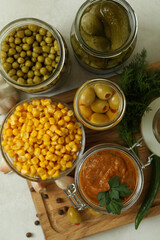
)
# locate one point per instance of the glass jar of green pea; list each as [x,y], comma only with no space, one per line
[33,56]
[103,35]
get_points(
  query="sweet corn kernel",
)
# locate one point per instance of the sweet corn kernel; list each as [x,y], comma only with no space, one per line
[69,164]
[58,114]
[56,174]
[67,118]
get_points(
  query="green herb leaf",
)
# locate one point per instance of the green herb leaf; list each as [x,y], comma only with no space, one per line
[103,198]
[123,190]
[113,194]
[114,207]
[114,182]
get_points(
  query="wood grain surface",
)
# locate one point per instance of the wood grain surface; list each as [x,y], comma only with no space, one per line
[57,227]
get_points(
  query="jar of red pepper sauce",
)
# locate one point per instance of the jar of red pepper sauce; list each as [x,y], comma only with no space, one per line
[99,164]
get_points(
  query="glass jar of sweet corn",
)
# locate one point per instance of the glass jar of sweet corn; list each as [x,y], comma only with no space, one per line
[103,35]
[33,56]
[41,140]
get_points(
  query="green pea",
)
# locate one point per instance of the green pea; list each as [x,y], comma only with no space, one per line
[34,59]
[49,68]
[16,56]
[20,60]
[12,33]
[37,73]
[11,39]
[33,68]
[20,34]
[49,34]
[51,56]
[35,44]
[24,40]
[52,50]
[7,66]
[3,60]
[53,64]
[28,32]
[15,77]
[46,77]
[30,74]
[26,47]
[3,54]
[25,69]
[25,76]
[11,72]
[43,71]
[12,45]
[20,73]
[21,80]
[38,37]
[5,48]
[17,41]
[28,63]
[15,65]
[57,59]
[10,60]
[29,40]
[48,40]
[38,65]
[46,49]
[43,43]
[29,81]
[23,54]
[45,55]
[32,27]
[11,51]
[40,59]
[48,61]
[36,79]
[29,53]
[35,55]
[42,31]
[18,49]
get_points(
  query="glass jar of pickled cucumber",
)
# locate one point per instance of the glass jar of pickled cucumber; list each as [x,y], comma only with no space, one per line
[33,56]
[103,35]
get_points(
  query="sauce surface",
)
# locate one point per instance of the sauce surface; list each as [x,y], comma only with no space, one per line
[103,165]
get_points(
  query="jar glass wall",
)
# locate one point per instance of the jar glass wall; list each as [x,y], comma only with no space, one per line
[88,49]
[57,74]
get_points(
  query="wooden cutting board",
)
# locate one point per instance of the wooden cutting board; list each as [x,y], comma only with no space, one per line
[57,227]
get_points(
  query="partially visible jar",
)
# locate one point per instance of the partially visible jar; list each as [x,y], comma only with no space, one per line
[56,78]
[92,48]
[79,189]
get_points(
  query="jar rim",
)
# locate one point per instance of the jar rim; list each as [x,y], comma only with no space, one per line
[111,123]
[132,19]
[22,22]
[140,176]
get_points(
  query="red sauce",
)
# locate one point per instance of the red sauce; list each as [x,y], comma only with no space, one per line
[103,165]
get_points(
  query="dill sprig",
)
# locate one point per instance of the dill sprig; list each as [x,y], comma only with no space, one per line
[140,87]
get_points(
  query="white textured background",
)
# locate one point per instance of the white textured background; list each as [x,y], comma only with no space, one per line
[17,212]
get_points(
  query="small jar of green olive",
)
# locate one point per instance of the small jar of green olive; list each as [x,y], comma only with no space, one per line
[33,56]
[103,35]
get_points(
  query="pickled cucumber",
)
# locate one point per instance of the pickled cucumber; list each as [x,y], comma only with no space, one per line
[91,24]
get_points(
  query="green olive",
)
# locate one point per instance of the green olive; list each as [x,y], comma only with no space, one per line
[94,212]
[42,31]
[25,69]
[30,74]
[87,97]
[40,59]
[15,65]
[114,101]
[74,216]
[103,91]
[29,40]
[99,119]
[100,106]
[21,80]
[85,111]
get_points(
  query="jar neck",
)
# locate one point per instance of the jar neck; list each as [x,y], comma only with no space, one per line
[133,27]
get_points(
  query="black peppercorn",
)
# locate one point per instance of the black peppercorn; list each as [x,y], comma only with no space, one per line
[59,200]
[45,196]
[28,235]
[60,212]
[36,222]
